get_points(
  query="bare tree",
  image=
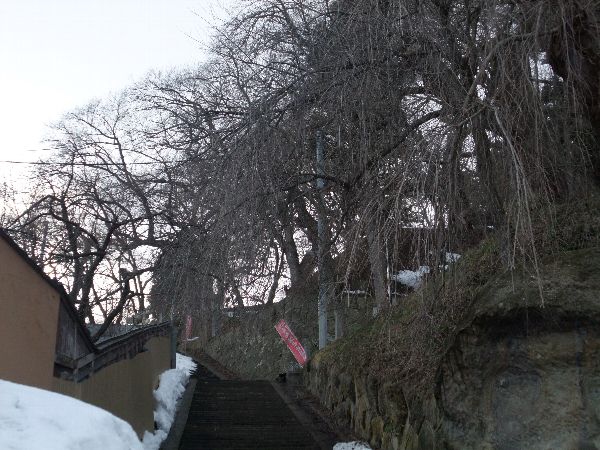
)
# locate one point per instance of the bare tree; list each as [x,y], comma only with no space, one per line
[442,120]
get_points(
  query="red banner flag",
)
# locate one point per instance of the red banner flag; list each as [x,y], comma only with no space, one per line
[292,342]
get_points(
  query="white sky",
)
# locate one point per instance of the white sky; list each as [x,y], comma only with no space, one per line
[56,55]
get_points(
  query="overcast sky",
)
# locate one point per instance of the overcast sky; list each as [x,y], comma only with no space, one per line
[59,54]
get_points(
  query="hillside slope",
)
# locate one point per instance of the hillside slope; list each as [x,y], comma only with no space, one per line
[480,359]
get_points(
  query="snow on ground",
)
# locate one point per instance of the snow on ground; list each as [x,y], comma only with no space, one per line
[411,278]
[170,389]
[351,446]
[414,278]
[32,418]
[185,363]
[452,257]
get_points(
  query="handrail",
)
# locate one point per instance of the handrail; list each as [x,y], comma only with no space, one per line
[115,340]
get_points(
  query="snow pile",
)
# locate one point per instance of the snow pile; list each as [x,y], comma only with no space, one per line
[185,363]
[351,446]
[170,389]
[32,418]
[152,441]
[414,278]
[452,257]
[411,278]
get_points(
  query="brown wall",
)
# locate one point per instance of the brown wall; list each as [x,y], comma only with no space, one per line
[125,388]
[29,311]
[28,320]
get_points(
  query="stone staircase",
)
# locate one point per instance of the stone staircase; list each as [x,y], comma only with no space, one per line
[236,414]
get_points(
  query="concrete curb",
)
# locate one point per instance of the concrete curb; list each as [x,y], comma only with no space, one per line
[174,436]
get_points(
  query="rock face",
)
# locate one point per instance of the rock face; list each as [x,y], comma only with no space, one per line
[522,372]
[532,387]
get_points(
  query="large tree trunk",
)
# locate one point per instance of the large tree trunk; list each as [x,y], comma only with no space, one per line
[276,277]
[378,267]
[291,255]
[574,54]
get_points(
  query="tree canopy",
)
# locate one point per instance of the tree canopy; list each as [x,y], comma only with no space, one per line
[442,121]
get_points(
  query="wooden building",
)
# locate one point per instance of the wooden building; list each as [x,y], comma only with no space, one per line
[46,345]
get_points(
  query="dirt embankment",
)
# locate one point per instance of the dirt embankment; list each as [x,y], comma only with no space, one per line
[484,357]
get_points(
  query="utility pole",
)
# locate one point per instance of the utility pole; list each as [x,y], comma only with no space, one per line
[322,306]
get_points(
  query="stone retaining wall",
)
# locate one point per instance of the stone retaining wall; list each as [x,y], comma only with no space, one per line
[518,374]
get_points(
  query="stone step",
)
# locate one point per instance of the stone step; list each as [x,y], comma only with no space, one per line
[234,414]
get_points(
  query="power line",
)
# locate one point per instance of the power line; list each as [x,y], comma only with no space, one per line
[38,150]
[90,164]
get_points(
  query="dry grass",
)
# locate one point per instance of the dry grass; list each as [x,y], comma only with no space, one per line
[408,344]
